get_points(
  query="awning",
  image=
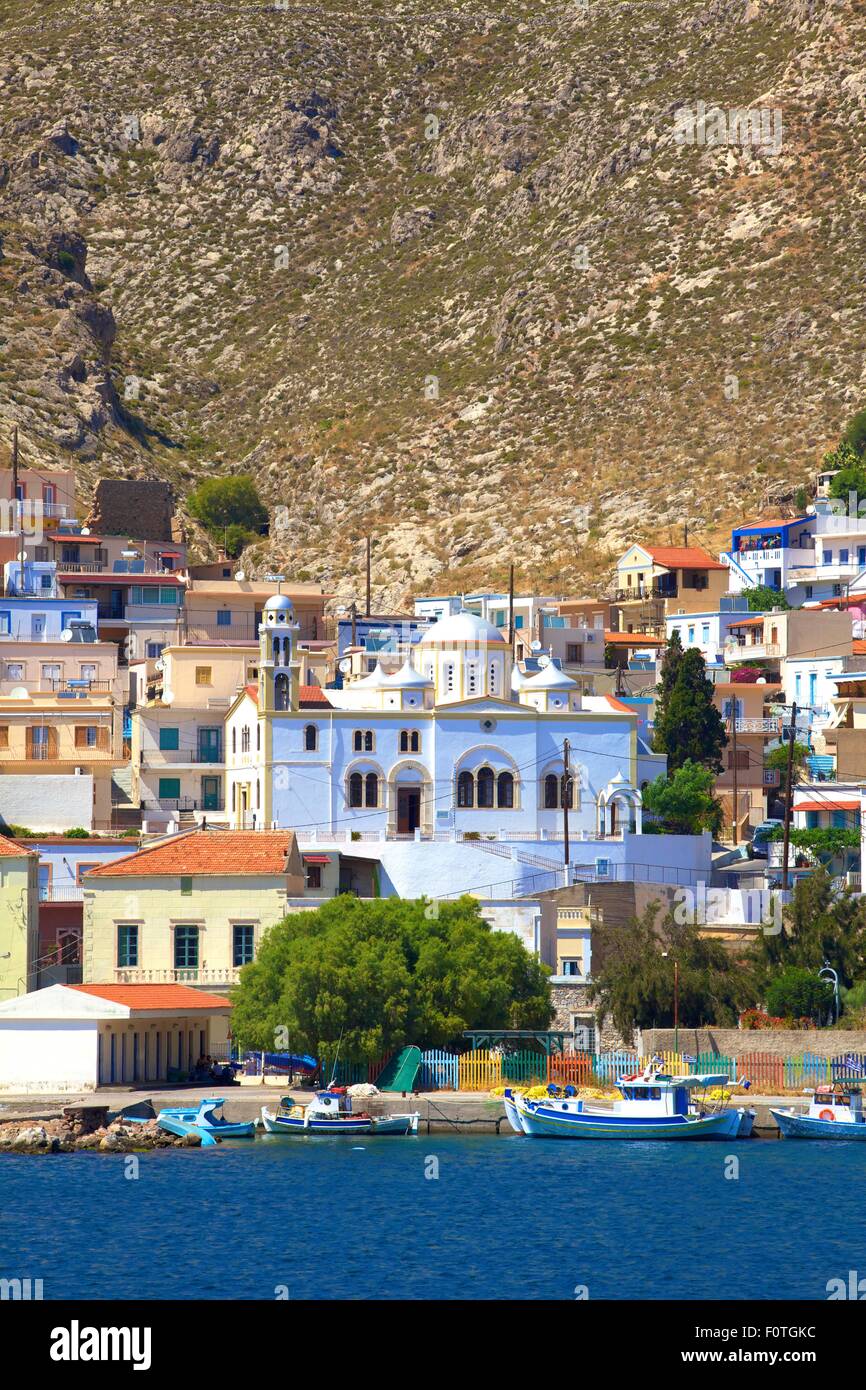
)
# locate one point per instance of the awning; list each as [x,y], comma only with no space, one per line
[317,858]
[73,538]
[827,806]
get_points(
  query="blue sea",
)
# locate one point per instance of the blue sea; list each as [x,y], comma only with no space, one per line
[440,1217]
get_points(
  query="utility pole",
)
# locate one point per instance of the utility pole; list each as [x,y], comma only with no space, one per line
[18,509]
[790,796]
[511,606]
[566,798]
[735,816]
[367,609]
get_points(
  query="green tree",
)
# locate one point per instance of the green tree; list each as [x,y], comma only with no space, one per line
[763,599]
[633,974]
[688,726]
[851,477]
[817,925]
[684,802]
[383,973]
[230,509]
[799,993]
[855,434]
[777,761]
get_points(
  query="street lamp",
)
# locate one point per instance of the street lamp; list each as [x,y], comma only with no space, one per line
[827,969]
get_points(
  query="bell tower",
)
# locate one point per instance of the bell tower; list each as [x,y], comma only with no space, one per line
[279,671]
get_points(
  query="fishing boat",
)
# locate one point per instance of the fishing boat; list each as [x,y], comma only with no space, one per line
[835,1112]
[654,1105]
[205,1119]
[330,1112]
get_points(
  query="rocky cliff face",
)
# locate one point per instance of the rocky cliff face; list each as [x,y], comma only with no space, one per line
[510,283]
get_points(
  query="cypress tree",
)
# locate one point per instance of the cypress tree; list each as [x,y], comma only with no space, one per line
[687,725]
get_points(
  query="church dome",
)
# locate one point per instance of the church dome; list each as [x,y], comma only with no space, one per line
[550,678]
[463,628]
[408,678]
[279,603]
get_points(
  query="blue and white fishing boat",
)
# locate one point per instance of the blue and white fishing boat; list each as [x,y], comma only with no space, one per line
[330,1112]
[654,1105]
[835,1112]
[205,1119]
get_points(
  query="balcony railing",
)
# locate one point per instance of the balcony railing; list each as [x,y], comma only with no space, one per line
[158,757]
[74,686]
[61,892]
[172,805]
[194,975]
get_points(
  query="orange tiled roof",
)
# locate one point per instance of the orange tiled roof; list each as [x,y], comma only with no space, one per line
[859,646]
[827,806]
[618,704]
[313,695]
[253,692]
[748,622]
[10,847]
[224,852]
[180,997]
[633,639]
[683,557]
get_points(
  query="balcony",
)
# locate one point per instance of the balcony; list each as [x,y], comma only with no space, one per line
[79,688]
[642,592]
[197,975]
[174,805]
[175,757]
[751,651]
[61,892]
[757,725]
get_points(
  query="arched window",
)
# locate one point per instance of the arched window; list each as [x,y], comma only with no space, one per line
[494,677]
[356,789]
[505,790]
[410,741]
[234,739]
[311,738]
[551,792]
[363,740]
[371,789]
[281,692]
[485,788]
[465,790]
[566,794]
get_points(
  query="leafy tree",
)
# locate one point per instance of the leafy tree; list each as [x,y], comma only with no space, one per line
[855,434]
[633,975]
[688,725]
[383,973]
[763,599]
[684,802]
[799,993]
[777,760]
[851,477]
[230,509]
[818,925]
[824,843]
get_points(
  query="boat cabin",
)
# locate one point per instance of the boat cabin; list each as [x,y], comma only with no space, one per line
[839,1101]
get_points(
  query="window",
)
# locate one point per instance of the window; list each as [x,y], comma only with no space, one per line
[742,758]
[838,819]
[861,555]
[314,875]
[5,623]
[465,790]
[518,620]
[551,792]
[571,965]
[83,866]
[40,554]
[363,740]
[51,671]
[573,652]
[410,741]
[356,789]
[691,632]
[186,885]
[87,671]
[45,581]
[245,739]
[224,619]
[311,738]
[811,820]
[127,944]
[243,943]
[186,948]
[505,791]
[4,735]
[371,789]
[86,736]
[169,788]
[485,788]
[705,633]
[203,675]
[843,556]
[168,595]
[154,649]
[15,670]
[169,740]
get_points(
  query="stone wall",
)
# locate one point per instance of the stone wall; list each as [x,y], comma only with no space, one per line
[735,1042]
[142,509]
[569,999]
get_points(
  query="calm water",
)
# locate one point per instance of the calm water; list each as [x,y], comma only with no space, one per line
[505,1218]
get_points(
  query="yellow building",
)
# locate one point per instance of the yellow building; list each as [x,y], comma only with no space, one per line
[191,908]
[231,609]
[178,756]
[69,732]
[657,582]
[19,918]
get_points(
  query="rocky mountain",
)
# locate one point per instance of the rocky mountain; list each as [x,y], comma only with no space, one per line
[492,283]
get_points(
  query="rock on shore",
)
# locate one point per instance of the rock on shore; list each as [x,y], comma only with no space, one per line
[79,1129]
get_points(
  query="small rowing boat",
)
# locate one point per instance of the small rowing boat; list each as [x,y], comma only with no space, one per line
[205,1119]
[835,1112]
[330,1112]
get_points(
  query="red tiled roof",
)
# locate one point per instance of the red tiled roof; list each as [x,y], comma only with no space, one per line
[313,695]
[683,557]
[253,692]
[859,647]
[748,622]
[9,847]
[222,852]
[180,997]
[633,639]
[849,601]
[827,806]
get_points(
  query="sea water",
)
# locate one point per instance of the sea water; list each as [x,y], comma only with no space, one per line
[438,1216]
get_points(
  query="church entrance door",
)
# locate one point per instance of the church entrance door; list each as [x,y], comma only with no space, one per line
[408,809]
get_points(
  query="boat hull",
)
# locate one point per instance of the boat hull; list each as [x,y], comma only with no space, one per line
[795,1126]
[204,1118]
[539,1123]
[396,1124]
[512,1114]
[289,1124]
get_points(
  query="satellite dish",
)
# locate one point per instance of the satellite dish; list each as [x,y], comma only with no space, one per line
[535,646]
[66,634]
[345,665]
[159,664]
[85,531]
[544,661]
[762,680]
[240,576]
[20,693]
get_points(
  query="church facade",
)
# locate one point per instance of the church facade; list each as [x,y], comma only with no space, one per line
[460,743]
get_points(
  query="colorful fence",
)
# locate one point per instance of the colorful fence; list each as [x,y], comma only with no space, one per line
[483,1071]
